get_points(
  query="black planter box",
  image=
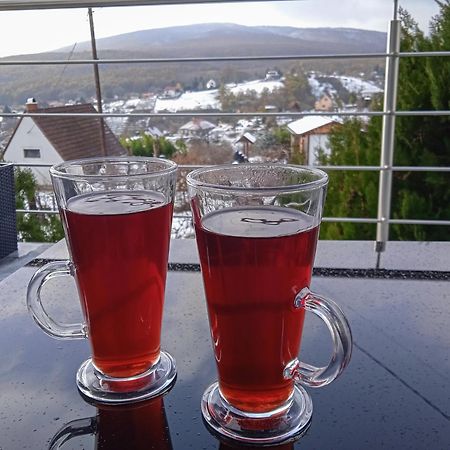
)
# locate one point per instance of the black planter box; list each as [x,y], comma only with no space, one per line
[8,222]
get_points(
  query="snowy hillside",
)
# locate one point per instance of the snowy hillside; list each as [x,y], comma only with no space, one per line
[210,99]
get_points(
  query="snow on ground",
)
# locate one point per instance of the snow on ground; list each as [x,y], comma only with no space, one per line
[210,99]
[356,85]
[189,101]
[257,86]
[318,89]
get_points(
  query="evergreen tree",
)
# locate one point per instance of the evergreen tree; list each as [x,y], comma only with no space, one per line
[352,193]
[33,227]
[423,140]
[419,141]
[147,145]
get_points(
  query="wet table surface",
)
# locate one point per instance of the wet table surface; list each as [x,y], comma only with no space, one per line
[395,393]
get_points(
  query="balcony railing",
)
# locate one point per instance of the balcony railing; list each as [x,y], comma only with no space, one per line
[389,112]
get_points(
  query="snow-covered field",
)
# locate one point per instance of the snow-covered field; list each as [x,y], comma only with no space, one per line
[257,86]
[352,84]
[189,101]
[210,99]
[356,85]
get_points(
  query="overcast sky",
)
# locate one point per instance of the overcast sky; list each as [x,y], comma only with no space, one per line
[36,31]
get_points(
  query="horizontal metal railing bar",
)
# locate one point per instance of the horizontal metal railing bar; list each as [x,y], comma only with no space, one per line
[32,165]
[324,219]
[40,62]
[11,5]
[322,167]
[419,222]
[393,168]
[242,114]
[37,211]
[100,61]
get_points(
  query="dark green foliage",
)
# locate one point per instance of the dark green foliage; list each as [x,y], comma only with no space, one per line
[419,141]
[146,145]
[423,141]
[352,193]
[33,227]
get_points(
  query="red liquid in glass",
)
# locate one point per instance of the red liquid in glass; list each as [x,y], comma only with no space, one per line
[119,243]
[254,262]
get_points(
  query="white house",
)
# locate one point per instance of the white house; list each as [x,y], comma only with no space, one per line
[52,140]
[211,84]
[309,134]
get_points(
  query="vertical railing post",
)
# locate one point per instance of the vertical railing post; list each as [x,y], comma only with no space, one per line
[98,91]
[387,138]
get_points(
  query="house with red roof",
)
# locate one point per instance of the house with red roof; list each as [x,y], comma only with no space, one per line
[51,140]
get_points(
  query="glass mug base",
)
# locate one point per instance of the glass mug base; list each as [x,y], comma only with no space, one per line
[104,389]
[276,427]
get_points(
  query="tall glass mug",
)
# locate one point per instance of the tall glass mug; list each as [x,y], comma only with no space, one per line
[117,215]
[257,227]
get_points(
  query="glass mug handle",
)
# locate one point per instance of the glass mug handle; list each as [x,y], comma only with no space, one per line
[341,334]
[46,323]
[77,427]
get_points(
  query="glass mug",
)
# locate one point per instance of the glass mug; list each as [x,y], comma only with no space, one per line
[141,426]
[257,227]
[117,215]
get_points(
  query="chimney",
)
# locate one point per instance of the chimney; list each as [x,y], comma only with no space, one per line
[31,105]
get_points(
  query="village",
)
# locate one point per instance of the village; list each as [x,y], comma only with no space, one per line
[34,141]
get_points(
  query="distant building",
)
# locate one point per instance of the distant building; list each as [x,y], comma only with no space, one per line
[196,128]
[154,132]
[52,140]
[325,103]
[309,134]
[246,139]
[171,92]
[211,84]
[272,75]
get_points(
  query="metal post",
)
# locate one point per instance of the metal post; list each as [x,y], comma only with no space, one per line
[97,83]
[387,138]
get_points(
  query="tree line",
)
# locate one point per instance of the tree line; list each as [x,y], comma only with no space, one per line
[419,141]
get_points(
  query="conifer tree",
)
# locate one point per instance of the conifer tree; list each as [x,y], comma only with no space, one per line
[419,141]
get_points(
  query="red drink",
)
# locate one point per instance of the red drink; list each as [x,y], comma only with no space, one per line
[119,241]
[254,262]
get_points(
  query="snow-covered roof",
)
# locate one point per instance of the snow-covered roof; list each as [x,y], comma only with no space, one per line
[154,131]
[308,123]
[197,125]
[247,137]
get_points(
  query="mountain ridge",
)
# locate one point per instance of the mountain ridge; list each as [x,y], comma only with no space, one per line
[55,82]
[352,37]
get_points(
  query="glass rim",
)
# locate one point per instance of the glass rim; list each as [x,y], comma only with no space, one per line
[321,181]
[58,169]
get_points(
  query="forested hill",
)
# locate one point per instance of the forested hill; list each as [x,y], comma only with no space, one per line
[65,82]
[231,39]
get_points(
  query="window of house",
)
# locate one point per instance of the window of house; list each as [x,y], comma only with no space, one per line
[31,153]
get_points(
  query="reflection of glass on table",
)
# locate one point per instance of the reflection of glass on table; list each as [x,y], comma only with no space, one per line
[142,426]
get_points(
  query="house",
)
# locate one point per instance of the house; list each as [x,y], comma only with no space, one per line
[308,135]
[325,103]
[211,84]
[196,128]
[171,92]
[246,139]
[272,75]
[52,140]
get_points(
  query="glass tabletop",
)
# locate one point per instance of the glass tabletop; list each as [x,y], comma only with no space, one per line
[394,394]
